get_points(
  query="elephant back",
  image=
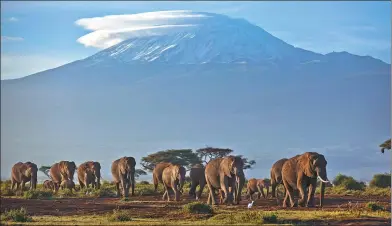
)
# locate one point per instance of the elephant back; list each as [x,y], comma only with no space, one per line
[17,171]
[158,170]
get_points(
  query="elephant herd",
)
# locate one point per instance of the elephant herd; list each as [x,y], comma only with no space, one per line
[224,176]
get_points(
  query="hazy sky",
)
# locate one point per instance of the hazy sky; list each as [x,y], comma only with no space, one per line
[43,35]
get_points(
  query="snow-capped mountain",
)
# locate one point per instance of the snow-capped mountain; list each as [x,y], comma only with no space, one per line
[206,80]
[217,39]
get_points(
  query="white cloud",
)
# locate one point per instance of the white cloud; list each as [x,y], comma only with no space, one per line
[13,19]
[11,39]
[11,65]
[110,30]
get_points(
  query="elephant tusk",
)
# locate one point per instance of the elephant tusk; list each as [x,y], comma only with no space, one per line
[324,181]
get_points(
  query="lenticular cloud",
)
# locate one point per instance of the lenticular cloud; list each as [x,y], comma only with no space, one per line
[111,30]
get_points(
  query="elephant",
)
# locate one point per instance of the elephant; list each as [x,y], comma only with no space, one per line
[89,173]
[173,177]
[261,184]
[256,186]
[222,173]
[157,173]
[301,173]
[67,184]
[21,173]
[276,175]
[197,178]
[123,171]
[48,184]
[63,170]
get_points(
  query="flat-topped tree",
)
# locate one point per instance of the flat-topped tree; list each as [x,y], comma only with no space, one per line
[385,145]
[209,153]
[184,157]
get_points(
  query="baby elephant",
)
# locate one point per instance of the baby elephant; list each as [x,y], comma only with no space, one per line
[48,184]
[67,184]
[257,186]
[173,177]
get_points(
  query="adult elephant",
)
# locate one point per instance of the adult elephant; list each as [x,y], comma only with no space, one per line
[157,173]
[276,175]
[197,179]
[301,173]
[222,173]
[89,173]
[63,170]
[21,173]
[123,171]
[173,177]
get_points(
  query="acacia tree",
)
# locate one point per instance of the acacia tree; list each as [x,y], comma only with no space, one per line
[184,157]
[209,153]
[45,170]
[385,145]
[139,172]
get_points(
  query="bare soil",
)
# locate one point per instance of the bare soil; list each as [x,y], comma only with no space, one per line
[154,207]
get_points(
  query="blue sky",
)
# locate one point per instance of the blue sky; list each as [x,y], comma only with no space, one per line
[42,35]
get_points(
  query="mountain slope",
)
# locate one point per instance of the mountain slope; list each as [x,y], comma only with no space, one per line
[225,83]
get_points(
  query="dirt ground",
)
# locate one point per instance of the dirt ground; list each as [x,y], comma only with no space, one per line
[154,207]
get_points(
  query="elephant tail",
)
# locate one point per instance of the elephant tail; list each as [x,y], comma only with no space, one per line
[155,179]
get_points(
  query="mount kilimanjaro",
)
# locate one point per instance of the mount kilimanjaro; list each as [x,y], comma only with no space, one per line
[220,82]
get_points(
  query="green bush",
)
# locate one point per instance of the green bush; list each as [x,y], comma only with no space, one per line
[119,215]
[16,215]
[5,188]
[373,206]
[66,193]
[381,180]
[144,182]
[270,218]
[37,194]
[197,207]
[348,183]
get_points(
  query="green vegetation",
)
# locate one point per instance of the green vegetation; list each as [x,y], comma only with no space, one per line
[16,215]
[349,183]
[386,145]
[381,180]
[120,215]
[197,207]
[37,194]
[374,206]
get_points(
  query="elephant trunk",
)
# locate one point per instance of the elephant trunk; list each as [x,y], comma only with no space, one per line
[33,181]
[322,193]
[240,181]
[98,177]
[181,183]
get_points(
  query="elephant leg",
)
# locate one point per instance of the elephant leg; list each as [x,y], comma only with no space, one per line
[225,189]
[23,186]
[261,192]
[13,183]
[201,188]
[118,189]
[17,186]
[303,193]
[267,191]
[156,182]
[286,199]
[211,196]
[311,191]
[192,190]
[124,184]
[176,192]
[289,193]
[249,195]
[81,184]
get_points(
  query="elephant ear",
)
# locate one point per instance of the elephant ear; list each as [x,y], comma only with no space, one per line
[306,163]
[227,165]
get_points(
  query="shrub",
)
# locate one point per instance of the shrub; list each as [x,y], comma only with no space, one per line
[348,183]
[373,206]
[5,189]
[119,215]
[36,194]
[197,207]
[381,180]
[270,218]
[144,182]
[16,215]
[144,191]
